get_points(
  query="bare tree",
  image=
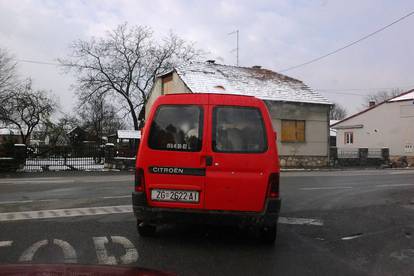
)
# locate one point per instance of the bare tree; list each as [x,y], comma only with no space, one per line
[338,112]
[7,72]
[25,108]
[382,96]
[99,117]
[125,64]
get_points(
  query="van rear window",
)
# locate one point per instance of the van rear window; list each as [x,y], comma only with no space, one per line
[177,128]
[238,129]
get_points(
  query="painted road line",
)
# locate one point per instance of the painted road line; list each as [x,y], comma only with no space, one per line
[300,221]
[5,243]
[61,213]
[16,201]
[107,210]
[393,185]
[324,188]
[124,196]
[27,182]
[57,199]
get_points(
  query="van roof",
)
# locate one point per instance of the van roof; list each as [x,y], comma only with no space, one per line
[211,98]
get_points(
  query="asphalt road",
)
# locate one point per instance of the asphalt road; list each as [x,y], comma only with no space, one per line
[333,223]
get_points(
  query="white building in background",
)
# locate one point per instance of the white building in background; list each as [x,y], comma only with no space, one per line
[389,124]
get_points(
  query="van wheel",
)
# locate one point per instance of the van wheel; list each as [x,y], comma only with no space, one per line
[146,230]
[268,234]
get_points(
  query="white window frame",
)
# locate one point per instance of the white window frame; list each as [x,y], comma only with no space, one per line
[348,138]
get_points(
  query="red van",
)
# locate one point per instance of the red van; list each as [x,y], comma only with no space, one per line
[208,158]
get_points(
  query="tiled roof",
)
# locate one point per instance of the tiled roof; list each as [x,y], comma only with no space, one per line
[261,83]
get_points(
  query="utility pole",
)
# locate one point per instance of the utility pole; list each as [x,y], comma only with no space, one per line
[237,45]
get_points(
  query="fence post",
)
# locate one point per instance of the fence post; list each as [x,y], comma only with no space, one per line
[19,152]
[333,155]
[385,154]
[363,156]
[109,155]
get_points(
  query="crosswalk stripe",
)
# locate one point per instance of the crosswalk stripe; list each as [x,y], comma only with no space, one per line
[120,209]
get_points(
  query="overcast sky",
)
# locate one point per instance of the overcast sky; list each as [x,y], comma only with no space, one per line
[273,34]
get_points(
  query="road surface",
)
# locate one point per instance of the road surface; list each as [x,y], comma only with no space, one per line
[332,223]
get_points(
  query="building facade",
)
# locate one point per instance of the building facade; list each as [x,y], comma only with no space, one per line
[389,124]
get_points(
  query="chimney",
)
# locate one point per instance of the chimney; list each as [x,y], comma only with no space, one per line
[371,103]
[256,67]
[211,61]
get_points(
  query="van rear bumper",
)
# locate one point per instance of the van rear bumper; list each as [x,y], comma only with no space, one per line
[156,215]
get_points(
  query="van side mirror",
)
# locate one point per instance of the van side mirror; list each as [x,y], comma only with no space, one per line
[275,133]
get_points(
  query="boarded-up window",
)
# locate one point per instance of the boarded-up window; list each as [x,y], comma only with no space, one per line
[167,84]
[293,131]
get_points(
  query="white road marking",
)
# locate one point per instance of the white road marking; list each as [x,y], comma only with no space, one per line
[5,243]
[26,182]
[29,253]
[16,201]
[325,188]
[300,221]
[347,238]
[107,210]
[131,253]
[130,256]
[394,185]
[101,252]
[69,253]
[59,213]
[56,199]
[124,196]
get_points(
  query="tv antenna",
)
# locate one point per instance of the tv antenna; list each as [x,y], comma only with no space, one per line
[236,32]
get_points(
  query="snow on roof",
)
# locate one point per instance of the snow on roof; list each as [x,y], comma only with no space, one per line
[129,134]
[332,131]
[262,83]
[403,97]
[8,131]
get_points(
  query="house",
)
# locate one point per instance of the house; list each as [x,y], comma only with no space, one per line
[127,142]
[300,115]
[332,134]
[389,124]
[8,135]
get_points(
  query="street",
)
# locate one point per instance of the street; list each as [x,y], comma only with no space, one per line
[332,223]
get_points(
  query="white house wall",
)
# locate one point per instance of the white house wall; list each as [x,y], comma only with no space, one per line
[178,87]
[316,127]
[389,125]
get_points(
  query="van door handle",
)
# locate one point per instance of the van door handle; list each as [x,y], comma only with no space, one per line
[209,160]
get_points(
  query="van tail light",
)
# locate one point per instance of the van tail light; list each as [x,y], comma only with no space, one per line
[139,180]
[273,186]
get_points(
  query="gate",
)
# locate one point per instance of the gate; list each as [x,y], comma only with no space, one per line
[62,158]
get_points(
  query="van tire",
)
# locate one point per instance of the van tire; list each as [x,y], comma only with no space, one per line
[268,234]
[146,230]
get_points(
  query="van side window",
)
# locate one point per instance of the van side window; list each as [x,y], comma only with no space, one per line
[177,128]
[238,130]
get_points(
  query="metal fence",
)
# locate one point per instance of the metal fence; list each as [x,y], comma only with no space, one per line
[374,153]
[348,153]
[80,157]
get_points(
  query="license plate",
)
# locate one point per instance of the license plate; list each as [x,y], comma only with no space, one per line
[174,195]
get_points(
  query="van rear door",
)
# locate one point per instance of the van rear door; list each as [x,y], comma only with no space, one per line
[173,163]
[238,176]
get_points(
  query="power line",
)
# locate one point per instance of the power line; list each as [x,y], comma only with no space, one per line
[347,45]
[39,62]
[364,89]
